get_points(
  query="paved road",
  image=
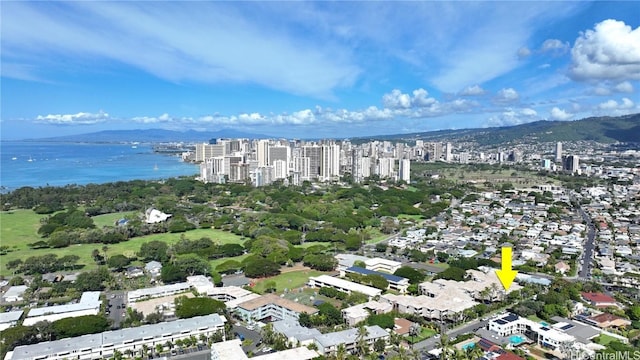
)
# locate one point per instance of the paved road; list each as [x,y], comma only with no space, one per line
[587,256]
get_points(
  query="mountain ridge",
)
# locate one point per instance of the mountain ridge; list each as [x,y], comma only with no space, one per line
[606,129]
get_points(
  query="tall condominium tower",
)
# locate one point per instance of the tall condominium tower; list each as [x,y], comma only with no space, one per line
[558,151]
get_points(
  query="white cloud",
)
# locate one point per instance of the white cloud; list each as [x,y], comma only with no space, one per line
[601,91]
[512,116]
[624,87]
[199,42]
[614,108]
[164,118]
[544,66]
[554,45]
[474,90]
[396,99]
[560,114]
[524,52]
[80,118]
[610,52]
[507,95]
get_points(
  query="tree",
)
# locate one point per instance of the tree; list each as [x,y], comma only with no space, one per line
[192,264]
[80,325]
[16,280]
[381,247]
[261,267]
[414,276]
[170,273]
[118,262]
[379,345]
[154,250]
[361,340]
[199,306]
[385,321]
[92,280]
[452,273]
[14,265]
[332,315]
[228,267]
[69,261]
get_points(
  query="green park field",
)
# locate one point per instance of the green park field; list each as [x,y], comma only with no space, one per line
[19,228]
[287,280]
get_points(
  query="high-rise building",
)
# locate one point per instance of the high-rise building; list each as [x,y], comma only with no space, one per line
[545,164]
[279,153]
[449,154]
[205,151]
[314,153]
[404,172]
[262,152]
[280,169]
[558,151]
[330,162]
[464,158]
[386,167]
[571,163]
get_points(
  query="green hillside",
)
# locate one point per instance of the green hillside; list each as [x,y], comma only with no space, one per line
[602,129]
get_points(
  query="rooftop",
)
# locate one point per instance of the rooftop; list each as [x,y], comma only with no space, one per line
[277,300]
[117,336]
[11,316]
[299,353]
[388,277]
[88,300]
[293,329]
[346,284]
[350,336]
[598,297]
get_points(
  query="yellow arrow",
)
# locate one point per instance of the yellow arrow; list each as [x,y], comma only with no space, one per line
[506,275]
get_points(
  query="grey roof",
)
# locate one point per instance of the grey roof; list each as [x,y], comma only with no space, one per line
[15,291]
[116,336]
[389,277]
[88,300]
[291,328]
[578,330]
[7,317]
[350,336]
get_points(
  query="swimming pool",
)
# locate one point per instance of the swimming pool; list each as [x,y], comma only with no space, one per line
[544,323]
[468,346]
[516,339]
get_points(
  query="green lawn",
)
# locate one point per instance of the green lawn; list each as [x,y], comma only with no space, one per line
[217,262]
[424,334]
[290,280]
[604,339]
[376,236]
[18,228]
[110,219]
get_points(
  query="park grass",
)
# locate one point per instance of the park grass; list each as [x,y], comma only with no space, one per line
[289,280]
[376,236]
[216,262]
[307,244]
[19,228]
[306,296]
[109,220]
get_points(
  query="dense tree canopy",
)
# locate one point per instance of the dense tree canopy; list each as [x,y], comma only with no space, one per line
[199,306]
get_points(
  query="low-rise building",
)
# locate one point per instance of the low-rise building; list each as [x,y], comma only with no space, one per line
[379,264]
[9,319]
[295,333]
[89,304]
[158,291]
[396,283]
[343,285]
[271,308]
[599,299]
[14,293]
[511,325]
[357,313]
[104,345]
[328,343]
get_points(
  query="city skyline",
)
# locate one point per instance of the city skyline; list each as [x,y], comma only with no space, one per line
[328,69]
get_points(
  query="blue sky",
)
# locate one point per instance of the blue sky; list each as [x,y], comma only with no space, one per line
[313,69]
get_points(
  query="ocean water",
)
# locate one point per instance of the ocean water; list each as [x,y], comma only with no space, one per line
[57,164]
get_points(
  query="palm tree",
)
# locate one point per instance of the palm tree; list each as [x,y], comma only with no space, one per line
[341,352]
[448,350]
[414,330]
[361,339]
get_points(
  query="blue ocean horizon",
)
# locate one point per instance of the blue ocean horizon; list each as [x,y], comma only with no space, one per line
[38,164]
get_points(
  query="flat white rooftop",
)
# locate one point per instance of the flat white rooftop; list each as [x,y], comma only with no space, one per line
[345,284]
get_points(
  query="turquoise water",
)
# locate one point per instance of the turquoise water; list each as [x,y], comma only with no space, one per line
[544,323]
[516,339]
[468,346]
[57,164]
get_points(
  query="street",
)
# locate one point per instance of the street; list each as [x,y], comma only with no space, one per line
[585,272]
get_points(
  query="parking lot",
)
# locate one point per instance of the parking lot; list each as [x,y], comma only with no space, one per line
[116,308]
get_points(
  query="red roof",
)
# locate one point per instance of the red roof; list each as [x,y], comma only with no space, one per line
[598,298]
[509,356]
